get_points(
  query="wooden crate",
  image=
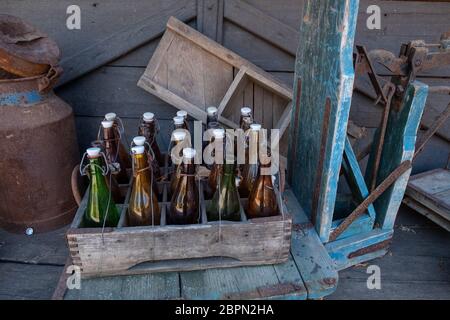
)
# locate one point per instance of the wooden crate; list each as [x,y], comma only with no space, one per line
[191,72]
[429,194]
[136,250]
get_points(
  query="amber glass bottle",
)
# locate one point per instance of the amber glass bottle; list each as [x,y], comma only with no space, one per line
[155,171]
[225,202]
[101,208]
[262,201]
[123,154]
[184,205]
[143,208]
[179,123]
[112,152]
[250,168]
[148,129]
[246,112]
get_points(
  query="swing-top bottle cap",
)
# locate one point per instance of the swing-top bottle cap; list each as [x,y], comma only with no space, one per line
[178,120]
[182,113]
[211,110]
[255,126]
[189,153]
[93,152]
[110,116]
[219,133]
[107,124]
[139,140]
[138,149]
[179,135]
[148,116]
[246,111]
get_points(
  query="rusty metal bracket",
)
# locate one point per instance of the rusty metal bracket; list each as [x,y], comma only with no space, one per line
[382,187]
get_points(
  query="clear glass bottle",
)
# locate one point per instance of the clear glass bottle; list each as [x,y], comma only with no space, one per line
[143,207]
[184,205]
[100,207]
[225,202]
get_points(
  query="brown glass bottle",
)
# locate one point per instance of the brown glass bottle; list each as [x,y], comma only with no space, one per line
[250,168]
[262,201]
[180,123]
[143,208]
[147,129]
[111,181]
[123,154]
[217,167]
[112,152]
[184,205]
[155,170]
[211,116]
[184,115]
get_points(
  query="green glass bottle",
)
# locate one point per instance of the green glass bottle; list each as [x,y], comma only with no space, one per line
[100,202]
[225,202]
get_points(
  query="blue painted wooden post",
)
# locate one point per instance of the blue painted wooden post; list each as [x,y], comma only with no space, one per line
[398,147]
[322,96]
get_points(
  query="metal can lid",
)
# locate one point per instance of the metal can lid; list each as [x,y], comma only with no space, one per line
[138,150]
[148,116]
[246,111]
[189,153]
[107,124]
[139,140]
[24,50]
[93,152]
[111,116]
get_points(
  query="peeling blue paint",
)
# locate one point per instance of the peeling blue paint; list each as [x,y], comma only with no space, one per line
[25,99]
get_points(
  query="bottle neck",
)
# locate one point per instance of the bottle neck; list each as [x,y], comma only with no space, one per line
[188,168]
[150,125]
[140,162]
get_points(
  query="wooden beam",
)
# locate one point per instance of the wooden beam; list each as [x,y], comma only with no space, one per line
[124,41]
[257,22]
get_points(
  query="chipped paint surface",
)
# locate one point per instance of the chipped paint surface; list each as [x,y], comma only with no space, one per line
[25,99]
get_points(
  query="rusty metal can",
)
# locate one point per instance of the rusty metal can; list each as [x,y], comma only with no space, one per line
[38,150]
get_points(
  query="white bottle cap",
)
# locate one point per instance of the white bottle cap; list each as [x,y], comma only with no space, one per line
[138,150]
[255,126]
[246,111]
[219,133]
[178,120]
[148,116]
[179,135]
[110,116]
[93,152]
[189,153]
[139,140]
[182,113]
[211,111]
[107,124]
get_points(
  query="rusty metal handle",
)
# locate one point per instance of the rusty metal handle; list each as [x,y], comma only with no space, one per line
[74,183]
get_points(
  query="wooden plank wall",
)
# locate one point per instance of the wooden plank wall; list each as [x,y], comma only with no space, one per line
[263,31]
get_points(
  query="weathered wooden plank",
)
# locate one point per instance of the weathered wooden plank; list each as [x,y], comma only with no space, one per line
[262,25]
[399,147]
[312,260]
[125,40]
[210,18]
[45,248]
[28,281]
[321,106]
[359,248]
[430,214]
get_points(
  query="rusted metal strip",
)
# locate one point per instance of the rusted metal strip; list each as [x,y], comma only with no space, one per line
[380,142]
[319,170]
[280,289]
[432,130]
[372,248]
[382,187]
